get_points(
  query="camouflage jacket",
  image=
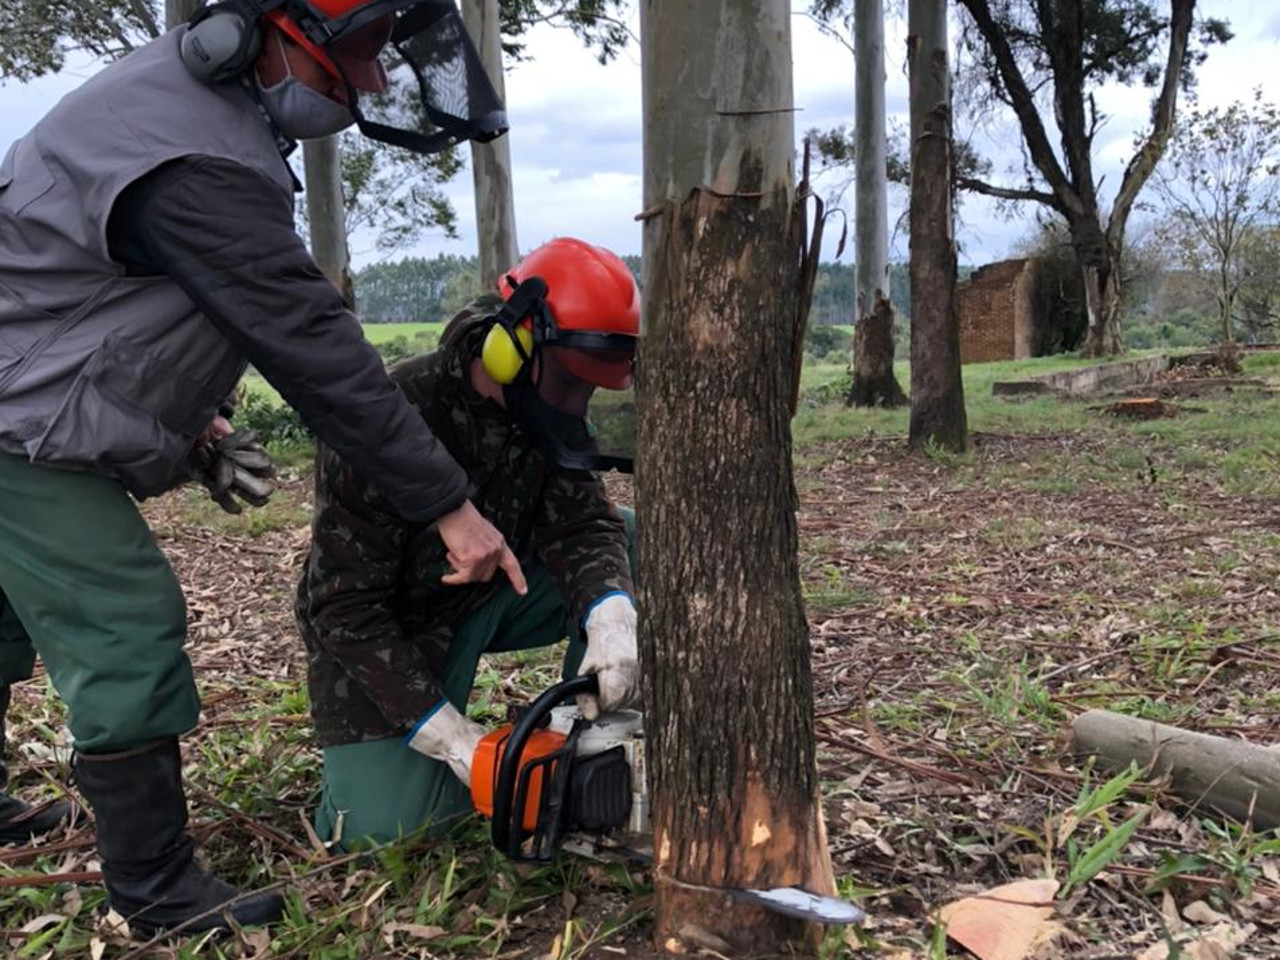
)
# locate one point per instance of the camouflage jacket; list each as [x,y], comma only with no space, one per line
[375,618]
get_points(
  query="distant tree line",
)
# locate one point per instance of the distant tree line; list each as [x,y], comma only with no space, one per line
[430,289]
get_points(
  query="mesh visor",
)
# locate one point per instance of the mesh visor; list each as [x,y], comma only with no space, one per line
[437,93]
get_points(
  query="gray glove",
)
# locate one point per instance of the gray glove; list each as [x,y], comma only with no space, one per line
[235,466]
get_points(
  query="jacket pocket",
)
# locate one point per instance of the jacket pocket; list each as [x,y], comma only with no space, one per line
[18,193]
[128,416]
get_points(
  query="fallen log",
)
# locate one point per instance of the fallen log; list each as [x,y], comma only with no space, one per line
[1236,777]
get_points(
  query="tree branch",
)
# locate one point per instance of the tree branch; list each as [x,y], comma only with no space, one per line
[1066,200]
[1006,193]
[1144,161]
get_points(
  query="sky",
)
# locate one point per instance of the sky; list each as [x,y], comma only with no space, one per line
[576,132]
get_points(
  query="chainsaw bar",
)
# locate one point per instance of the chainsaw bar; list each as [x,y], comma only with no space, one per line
[793,902]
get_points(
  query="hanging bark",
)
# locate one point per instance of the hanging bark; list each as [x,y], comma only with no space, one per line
[491,162]
[937,391]
[723,637]
[326,212]
[874,384]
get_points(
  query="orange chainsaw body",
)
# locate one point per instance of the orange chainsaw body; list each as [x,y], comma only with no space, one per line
[488,758]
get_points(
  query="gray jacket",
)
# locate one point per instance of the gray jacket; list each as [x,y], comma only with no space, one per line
[99,371]
[113,371]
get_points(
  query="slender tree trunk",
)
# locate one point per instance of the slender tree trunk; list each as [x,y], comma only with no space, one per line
[937,391]
[326,211]
[873,381]
[491,162]
[723,636]
[179,11]
[1226,299]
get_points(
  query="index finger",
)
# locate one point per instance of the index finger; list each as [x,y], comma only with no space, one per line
[512,566]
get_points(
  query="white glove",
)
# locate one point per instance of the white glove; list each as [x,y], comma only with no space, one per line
[450,738]
[611,655]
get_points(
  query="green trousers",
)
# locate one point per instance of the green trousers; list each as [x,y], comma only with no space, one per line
[382,790]
[83,583]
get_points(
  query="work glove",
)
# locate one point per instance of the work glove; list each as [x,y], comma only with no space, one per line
[448,736]
[611,656]
[234,466]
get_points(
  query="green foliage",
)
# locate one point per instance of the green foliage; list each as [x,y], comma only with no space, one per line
[600,24]
[415,288]
[275,423]
[401,346]
[1058,289]
[37,35]
[825,340]
[1220,186]
[396,192]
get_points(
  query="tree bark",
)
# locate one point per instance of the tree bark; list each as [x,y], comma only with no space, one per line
[177,12]
[1102,303]
[874,384]
[723,636]
[1239,778]
[937,391]
[491,162]
[326,212]
[873,381]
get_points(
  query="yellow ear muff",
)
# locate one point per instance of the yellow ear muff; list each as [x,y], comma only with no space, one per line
[501,359]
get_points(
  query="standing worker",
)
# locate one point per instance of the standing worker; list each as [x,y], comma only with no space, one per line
[147,254]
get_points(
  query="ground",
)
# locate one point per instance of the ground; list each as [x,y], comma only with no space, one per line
[963,610]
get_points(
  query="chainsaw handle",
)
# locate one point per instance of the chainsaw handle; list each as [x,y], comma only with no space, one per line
[509,768]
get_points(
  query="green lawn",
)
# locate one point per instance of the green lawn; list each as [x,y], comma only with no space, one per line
[377,333]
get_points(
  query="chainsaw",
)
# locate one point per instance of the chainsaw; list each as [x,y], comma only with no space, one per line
[554,781]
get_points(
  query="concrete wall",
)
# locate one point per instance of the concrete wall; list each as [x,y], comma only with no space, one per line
[1088,380]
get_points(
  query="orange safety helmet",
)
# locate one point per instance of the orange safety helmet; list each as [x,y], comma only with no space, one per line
[353,55]
[592,309]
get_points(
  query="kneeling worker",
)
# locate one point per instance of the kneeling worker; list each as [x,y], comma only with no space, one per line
[393,623]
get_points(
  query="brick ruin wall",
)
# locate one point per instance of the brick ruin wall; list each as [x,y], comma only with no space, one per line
[995,309]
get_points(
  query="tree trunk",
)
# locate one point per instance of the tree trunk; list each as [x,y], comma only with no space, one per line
[1102,302]
[177,12]
[873,381]
[491,162]
[326,212]
[723,636]
[937,391]
[874,384]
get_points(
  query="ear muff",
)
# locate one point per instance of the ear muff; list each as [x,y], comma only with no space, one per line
[222,42]
[505,351]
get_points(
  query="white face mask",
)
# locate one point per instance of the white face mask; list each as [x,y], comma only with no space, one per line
[300,112]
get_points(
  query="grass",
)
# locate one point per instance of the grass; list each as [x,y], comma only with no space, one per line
[952,596]
[377,333]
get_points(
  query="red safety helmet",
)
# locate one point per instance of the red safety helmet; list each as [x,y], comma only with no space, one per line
[592,315]
[352,56]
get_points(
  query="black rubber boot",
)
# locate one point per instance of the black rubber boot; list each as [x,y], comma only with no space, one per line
[20,823]
[148,858]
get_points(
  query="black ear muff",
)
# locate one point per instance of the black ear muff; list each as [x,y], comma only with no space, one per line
[222,42]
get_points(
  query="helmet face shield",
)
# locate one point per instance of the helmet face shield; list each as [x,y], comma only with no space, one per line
[581,426]
[437,94]
[424,86]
